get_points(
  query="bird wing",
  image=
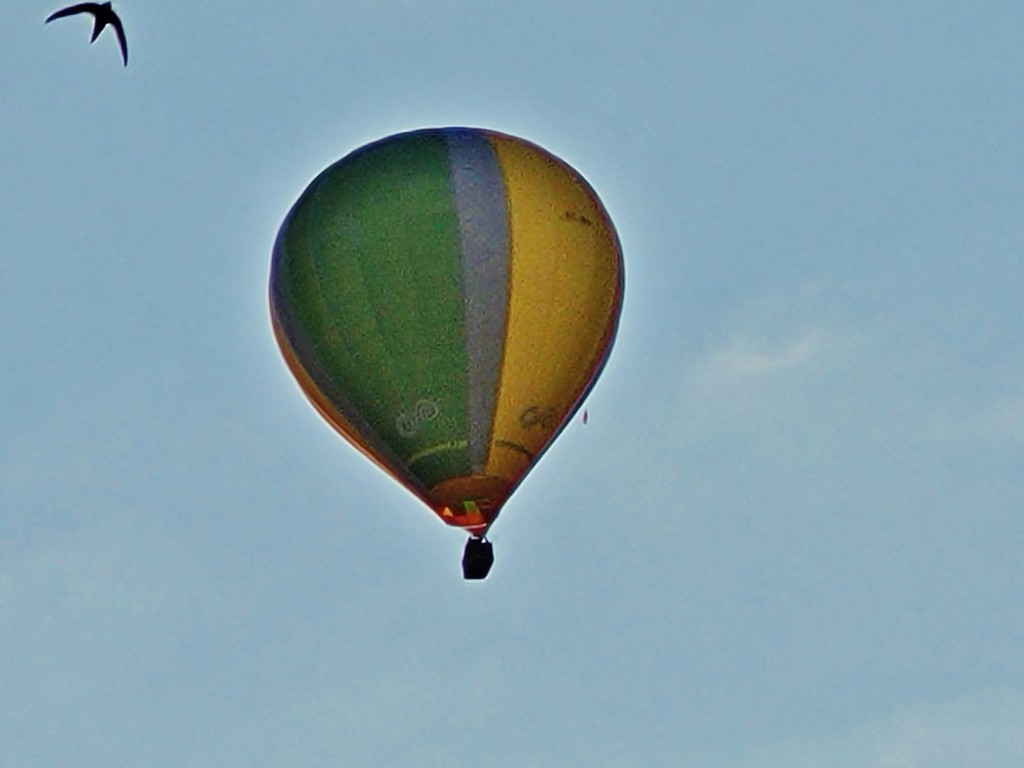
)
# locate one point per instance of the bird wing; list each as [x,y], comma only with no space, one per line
[73,9]
[115,22]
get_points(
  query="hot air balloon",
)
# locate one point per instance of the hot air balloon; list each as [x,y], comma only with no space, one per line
[446,298]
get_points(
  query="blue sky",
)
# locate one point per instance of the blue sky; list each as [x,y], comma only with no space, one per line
[790,534]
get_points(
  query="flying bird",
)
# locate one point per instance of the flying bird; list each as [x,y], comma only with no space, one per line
[103,15]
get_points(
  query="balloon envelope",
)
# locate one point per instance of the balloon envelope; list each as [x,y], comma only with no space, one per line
[446,298]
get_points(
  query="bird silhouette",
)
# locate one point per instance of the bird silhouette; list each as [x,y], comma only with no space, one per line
[103,15]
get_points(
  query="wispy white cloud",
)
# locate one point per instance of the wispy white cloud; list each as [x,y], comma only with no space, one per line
[750,380]
[1001,418]
[981,730]
[749,356]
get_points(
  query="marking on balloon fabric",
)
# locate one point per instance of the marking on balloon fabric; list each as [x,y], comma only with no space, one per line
[579,218]
[514,447]
[408,421]
[450,445]
[535,416]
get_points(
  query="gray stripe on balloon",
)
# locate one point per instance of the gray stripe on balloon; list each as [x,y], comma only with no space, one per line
[481,204]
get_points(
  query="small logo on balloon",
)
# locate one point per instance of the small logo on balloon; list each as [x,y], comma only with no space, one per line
[408,421]
[542,418]
[579,218]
